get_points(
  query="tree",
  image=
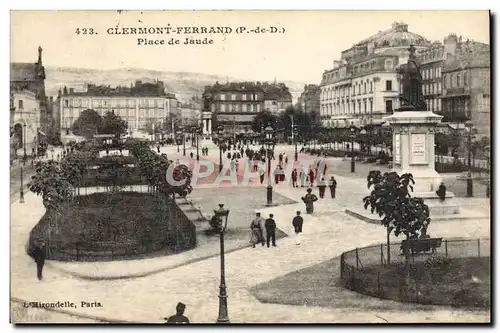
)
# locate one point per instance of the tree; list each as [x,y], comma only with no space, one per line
[88,123]
[74,165]
[262,119]
[308,124]
[400,212]
[113,124]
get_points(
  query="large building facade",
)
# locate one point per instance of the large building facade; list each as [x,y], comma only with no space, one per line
[363,85]
[235,104]
[29,106]
[140,105]
[310,99]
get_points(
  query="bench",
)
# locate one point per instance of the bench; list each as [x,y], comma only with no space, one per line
[417,246]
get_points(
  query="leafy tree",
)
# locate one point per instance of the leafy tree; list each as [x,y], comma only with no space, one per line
[113,124]
[262,119]
[400,212]
[88,123]
[74,166]
[308,123]
[50,181]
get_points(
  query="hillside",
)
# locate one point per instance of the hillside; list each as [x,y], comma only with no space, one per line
[183,84]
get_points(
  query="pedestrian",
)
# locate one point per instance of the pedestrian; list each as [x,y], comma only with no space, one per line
[158,149]
[286,159]
[270,230]
[322,187]
[277,175]
[297,226]
[280,158]
[311,177]
[232,165]
[309,200]
[228,155]
[191,154]
[39,254]
[294,178]
[303,177]
[262,173]
[256,236]
[179,317]
[333,186]
[441,192]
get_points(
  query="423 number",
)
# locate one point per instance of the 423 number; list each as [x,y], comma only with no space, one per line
[85,31]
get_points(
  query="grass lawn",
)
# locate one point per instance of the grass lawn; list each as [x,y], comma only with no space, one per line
[242,203]
[319,285]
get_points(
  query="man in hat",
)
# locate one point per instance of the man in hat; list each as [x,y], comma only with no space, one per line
[179,317]
[39,255]
[270,230]
[297,226]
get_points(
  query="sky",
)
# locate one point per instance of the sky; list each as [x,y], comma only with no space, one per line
[306,45]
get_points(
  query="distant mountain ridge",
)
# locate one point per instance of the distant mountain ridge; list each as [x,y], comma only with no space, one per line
[183,84]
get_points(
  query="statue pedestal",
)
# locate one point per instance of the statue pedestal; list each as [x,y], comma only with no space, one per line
[413,152]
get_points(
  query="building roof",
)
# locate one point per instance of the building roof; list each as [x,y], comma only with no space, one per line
[397,35]
[23,71]
[140,89]
[271,91]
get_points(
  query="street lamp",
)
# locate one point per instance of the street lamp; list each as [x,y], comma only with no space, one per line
[178,139]
[262,135]
[220,131]
[295,131]
[25,157]
[221,215]
[468,125]
[196,134]
[183,141]
[353,135]
[21,194]
[52,151]
[488,149]
[269,142]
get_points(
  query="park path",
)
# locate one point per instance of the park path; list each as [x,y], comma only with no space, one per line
[326,235]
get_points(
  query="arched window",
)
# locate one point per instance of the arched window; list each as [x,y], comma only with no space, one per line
[458,79]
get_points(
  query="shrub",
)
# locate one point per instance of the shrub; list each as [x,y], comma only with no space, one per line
[436,262]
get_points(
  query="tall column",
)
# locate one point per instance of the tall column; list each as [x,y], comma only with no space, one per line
[210,126]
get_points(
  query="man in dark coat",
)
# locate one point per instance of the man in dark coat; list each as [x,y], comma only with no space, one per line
[294,178]
[270,230]
[158,149]
[333,186]
[179,317]
[297,226]
[309,200]
[322,187]
[311,177]
[39,255]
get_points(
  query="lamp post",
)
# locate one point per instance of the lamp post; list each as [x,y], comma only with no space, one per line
[196,133]
[177,140]
[262,136]
[488,148]
[222,215]
[21,194]
[295,142]
[220,131]
[52,151]
[353,135]
[183,142]
[469,165]
[269,142]
[25,157]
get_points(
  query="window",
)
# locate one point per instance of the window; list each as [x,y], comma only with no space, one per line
[244,97]
[66,103]
[248,107]
[458,79]
[222,97]
[388,65]
[353,107]
[233,97]
[465,79]
[445,77]
[223,107]
[364,106]
[388,85]
[371,86]
[258,108]
[371,105]
[359,88]
[364,87]
[450,81]
[388,106]
[21,106]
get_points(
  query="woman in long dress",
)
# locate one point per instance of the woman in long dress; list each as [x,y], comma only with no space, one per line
[256,233]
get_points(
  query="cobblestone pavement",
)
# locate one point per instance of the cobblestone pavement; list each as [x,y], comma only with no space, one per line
[326,235]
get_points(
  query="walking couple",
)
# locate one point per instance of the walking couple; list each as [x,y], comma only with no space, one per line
[263,232]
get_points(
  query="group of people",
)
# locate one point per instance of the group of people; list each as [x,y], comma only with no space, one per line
[264,231]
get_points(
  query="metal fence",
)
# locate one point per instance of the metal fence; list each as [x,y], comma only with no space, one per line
[364,270]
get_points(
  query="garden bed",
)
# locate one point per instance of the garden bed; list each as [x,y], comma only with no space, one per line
[463,282]
[107,226]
